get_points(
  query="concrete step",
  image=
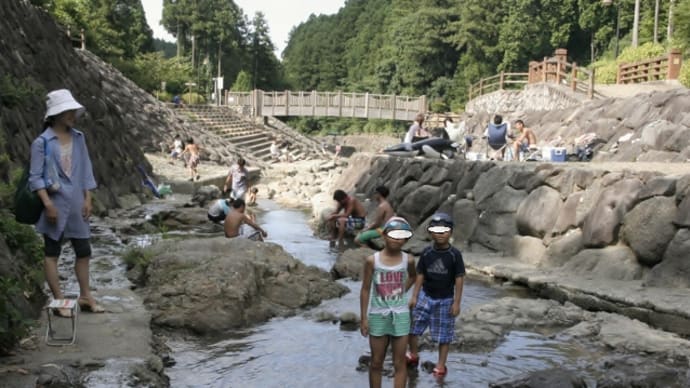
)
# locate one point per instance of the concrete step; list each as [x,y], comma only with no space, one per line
[247,137]
[258,147]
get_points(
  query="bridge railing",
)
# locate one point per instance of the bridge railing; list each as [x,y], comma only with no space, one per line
[340,104]
[666,67]
[79,41]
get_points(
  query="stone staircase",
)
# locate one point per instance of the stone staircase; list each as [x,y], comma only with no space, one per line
[252,139]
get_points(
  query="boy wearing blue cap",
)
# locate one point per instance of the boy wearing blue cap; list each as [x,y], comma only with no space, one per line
[435,301]
[383,302]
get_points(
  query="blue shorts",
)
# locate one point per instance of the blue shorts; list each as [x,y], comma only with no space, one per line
[434,313]
[354,223]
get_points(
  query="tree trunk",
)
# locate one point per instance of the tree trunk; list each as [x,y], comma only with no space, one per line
[636,24]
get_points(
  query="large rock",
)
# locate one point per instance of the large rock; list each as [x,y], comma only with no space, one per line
[420,204]
[506,200]
[567,217]
[529,250]
[525,179]
[466,219]
[658,186]
[648,228]
[205,194]
[549,378]
[469,179]
[495,230]
[614,262]
[350,263]
[674,269]
[682,218]
[657,133]
[601,225]
[491,182]
[212,285]
[535,216]
[561,249]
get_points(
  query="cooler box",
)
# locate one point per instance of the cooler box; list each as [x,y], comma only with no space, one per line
[546,154]
[558,154]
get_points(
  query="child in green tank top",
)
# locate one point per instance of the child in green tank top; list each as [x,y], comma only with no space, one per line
[383,301]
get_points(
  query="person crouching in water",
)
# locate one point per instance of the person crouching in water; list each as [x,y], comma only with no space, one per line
[435,301]
[238,224]
[384,311]
[219,210]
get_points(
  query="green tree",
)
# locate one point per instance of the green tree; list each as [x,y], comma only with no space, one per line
[243,82]
[266,68]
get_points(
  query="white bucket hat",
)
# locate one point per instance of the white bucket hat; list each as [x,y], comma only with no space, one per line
[61,100]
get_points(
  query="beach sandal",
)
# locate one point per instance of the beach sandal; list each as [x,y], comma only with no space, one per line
[440,372]
[411,359]
[85,305]
[62,313]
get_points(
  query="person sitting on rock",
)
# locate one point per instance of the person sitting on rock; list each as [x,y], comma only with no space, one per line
[351,219]
[525,140]
[251,198]
[497,133]
[275,152]
[239,224]
[384,211]
[219,210]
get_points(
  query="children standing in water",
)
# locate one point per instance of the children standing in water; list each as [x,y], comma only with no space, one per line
[383,301]
[435,301]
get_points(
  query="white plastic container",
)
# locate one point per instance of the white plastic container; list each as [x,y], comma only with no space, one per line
[546,154]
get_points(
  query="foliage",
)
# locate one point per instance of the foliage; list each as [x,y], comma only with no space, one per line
[193,98]
[168,49]
[150,69]
[606,70]
[14,92]
[137,256]
[243,83]
[684,77]
[681,22]
[344,126]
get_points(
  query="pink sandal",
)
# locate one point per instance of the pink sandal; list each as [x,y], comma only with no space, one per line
[412,359]
[440,372]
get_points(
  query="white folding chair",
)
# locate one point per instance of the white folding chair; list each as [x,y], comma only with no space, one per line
[52,339]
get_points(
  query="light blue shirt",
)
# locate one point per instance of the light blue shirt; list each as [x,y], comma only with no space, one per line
[69,199]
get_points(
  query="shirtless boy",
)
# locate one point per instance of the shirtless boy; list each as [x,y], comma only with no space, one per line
[526,138]
[384,211]
[239,224]
[352,217]
[193,151]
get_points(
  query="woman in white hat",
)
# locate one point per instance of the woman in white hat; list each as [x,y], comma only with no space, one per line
[62,175]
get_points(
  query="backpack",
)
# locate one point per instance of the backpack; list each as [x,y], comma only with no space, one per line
[27,204]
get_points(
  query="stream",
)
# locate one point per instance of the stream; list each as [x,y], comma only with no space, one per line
[299,351]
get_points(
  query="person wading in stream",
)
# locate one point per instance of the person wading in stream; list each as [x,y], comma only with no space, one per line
[385,316]
[239,224]
[435,302]
[62,176]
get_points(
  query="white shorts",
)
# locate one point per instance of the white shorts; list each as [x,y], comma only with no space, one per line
[238,194]
[248,232]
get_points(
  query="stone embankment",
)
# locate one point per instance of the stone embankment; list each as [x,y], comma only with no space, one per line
[607,240]
[652,127]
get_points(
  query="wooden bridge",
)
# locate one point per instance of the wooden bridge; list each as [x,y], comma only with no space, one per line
[333,104]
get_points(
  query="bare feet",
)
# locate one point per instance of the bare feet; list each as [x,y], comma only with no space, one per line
[62,313]
[90,305]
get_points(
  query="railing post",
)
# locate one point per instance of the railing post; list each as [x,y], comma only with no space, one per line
[481,87]
[354,104]
[366,105]
[287,103]
[469,93]
[573,80]
[619,73]
[543,70]
[500,82]
[83,39]
[675,61]
[394,107]
[273,106]
[558,71]
[314,98]
[590,90]
[340,103]
[423,103]
[258,102]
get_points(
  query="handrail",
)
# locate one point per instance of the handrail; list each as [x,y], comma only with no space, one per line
[652,69]
[80,41]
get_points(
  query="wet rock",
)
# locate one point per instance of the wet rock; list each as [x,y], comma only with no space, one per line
[212,285]
[633,371]
[648,228]
[325,316]
[350,263]
[674,270]
[204,195]
[349,317]
[530,215]
[550,378]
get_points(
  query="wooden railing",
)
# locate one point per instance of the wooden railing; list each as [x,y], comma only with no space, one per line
[80,41]
[666,67]
[499,81]
[338,104]
[552,70]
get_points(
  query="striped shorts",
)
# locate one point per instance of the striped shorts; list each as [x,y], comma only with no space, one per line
[434,313]
[393,324]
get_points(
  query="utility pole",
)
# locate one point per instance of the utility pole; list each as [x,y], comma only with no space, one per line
[656,22]
[636,24]
[193,50]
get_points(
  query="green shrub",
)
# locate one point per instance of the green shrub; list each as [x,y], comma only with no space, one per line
[137,256]
[164,96]
[193,98]
[606,70]
[684,77]
[15,92]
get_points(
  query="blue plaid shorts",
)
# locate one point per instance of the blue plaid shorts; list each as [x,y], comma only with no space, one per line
[433,313]
[354,223]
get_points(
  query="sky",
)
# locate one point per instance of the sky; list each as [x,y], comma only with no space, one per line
[281,15]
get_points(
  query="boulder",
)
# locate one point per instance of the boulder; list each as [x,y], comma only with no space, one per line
[209,286]
[549,378]
[205,194]
[535,216]
[601,225]
[657,133]
[495,230]
[466,219]
[525,179]
[419,204]
[682,187]
[529,249]
[471,174]
[350,263]
[506,200]
[567,218]
[678,141]
[658,157]
[657,186]
[682,218]
[570,180]
[648,228]
[561,249]
[491,182]
[674,269]
[614,262]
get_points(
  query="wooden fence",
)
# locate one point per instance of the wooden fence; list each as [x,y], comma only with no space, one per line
[666,67]
[552,70]
[334,104]
[80,41]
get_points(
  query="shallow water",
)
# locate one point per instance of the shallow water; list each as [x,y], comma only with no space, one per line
[300,352]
